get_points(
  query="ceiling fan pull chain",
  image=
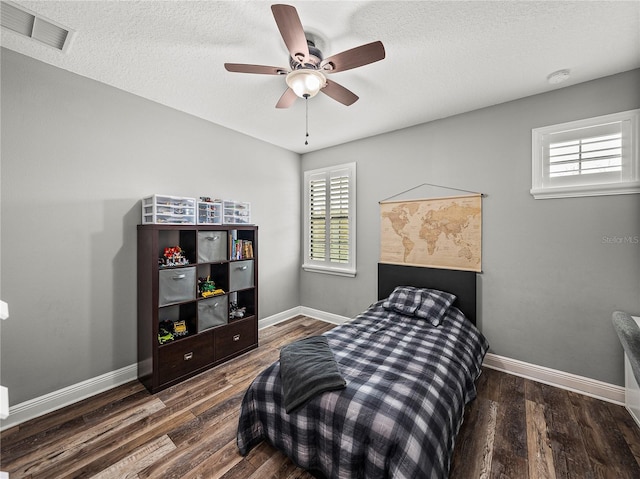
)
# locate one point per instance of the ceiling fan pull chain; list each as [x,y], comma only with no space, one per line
[306,113]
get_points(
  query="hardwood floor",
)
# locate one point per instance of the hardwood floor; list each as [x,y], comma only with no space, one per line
[516,428]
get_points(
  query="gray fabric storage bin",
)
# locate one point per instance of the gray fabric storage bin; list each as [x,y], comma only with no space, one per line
[176,285]
[212,246]
[213,312]
[240,275]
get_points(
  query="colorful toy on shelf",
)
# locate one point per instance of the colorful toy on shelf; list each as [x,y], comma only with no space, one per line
[206,287]
[174,256]
[235,312]
[164,332]
[180,328]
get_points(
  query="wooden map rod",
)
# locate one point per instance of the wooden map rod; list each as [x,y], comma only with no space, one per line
[484,195]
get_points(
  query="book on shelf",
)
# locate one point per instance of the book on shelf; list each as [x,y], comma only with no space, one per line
[241,249]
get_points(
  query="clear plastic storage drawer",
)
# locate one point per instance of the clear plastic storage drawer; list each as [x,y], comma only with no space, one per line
[209,213]
[164,209]
[236,212]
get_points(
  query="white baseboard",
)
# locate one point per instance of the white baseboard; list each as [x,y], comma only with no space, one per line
[47,403]
[304,311]
[324,316]
[279,317]
[572,382]
[39,406]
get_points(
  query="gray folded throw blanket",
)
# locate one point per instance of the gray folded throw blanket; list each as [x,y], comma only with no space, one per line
[629,334]
[308,368]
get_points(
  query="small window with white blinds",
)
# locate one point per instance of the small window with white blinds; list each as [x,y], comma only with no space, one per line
[329,218]
[597,156]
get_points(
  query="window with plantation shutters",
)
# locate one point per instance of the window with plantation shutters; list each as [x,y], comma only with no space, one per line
[597,156]
[330,220]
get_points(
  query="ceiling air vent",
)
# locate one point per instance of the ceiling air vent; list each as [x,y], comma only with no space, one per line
[32,25]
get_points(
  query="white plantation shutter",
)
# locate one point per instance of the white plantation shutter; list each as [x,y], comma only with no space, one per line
[318,219]
[330,220]
[597,156]
[596,153]
[339,230]
[588,151]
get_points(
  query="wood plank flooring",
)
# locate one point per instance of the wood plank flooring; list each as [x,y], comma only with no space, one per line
[516,428]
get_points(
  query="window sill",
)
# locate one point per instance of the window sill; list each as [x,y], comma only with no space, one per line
[586,190]
[351,273]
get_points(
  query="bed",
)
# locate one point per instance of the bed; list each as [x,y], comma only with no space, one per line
[409,365]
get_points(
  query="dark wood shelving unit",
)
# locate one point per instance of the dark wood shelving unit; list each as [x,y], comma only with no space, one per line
[216,332]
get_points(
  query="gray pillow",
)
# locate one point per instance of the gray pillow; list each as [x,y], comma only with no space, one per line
[434,305]
[404,300]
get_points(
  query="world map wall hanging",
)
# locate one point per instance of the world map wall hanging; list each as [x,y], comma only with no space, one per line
[439,233]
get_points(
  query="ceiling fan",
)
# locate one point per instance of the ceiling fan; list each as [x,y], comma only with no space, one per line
[308,70]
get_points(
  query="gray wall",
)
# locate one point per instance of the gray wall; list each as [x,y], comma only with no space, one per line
[550,282]
[77,156]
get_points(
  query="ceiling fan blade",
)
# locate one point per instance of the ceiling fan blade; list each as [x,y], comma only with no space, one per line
[260,69]
[356,57]
[292,32]
[339,93]
[287,99]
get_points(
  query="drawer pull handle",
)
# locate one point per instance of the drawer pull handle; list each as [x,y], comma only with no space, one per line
[213,238]
[236,337]
[188,356]
[179,276]
[242,268]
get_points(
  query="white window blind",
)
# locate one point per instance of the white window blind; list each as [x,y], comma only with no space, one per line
[597,156]
[318,219]
[330,220]
[339,227]
[601,153]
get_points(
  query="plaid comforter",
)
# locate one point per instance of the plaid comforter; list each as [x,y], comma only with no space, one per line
[407,386]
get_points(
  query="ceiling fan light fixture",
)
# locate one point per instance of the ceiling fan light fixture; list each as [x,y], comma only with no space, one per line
[306,83]
[307,66]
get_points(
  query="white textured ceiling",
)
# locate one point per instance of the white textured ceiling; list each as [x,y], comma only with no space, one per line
[442,57]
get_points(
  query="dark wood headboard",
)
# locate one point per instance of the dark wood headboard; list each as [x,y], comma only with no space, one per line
[460,283]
